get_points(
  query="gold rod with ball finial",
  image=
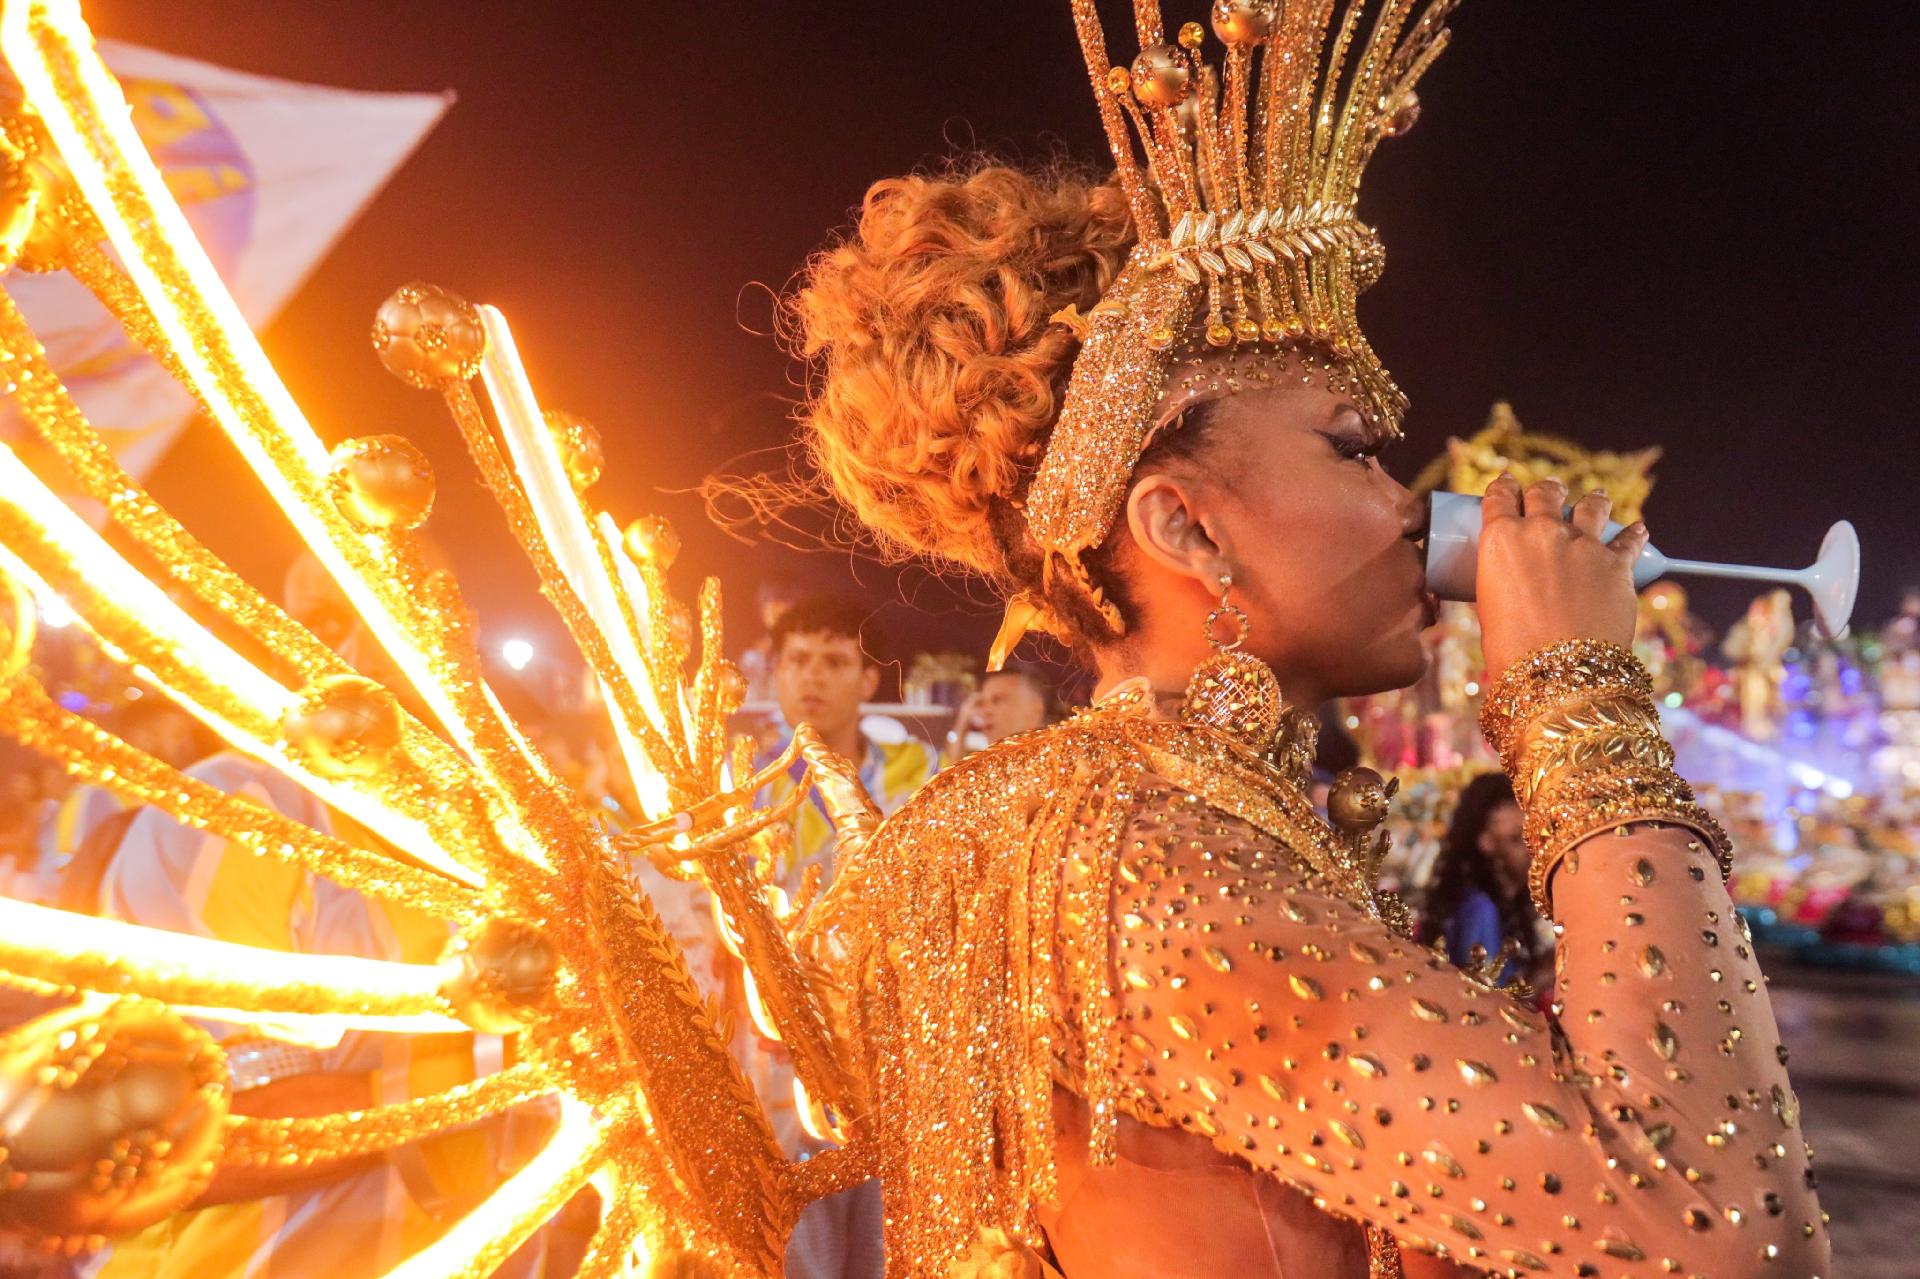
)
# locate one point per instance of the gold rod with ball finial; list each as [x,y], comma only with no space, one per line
[553,946]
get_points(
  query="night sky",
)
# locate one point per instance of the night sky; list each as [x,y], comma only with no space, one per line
[1690,232]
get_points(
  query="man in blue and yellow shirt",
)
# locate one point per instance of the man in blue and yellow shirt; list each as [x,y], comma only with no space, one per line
[822,673]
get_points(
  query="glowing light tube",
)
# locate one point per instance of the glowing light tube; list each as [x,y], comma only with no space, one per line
[223,980]
[476,1244]
[537,460]
[649,782]
[103,583]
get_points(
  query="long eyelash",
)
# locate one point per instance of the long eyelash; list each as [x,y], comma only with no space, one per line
[1352,449]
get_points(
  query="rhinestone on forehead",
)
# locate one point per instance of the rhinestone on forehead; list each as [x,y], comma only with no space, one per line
[1200,377]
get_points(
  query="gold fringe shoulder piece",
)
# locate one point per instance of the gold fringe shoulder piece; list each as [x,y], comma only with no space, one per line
[977,933]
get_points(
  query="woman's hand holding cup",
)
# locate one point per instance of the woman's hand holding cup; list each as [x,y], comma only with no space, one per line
[1545,575]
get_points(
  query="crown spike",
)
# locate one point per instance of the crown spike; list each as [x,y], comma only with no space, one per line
[1292,59]
[1234,118]
[1176,148]
[1152,28]
[1362,106]
[1323,118]
[1162,165]
[1215,178]
[1110,96]
[1410,62]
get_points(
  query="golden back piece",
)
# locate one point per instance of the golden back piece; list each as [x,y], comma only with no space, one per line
[553,944]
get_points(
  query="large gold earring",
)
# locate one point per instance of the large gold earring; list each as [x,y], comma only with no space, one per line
[1232,691]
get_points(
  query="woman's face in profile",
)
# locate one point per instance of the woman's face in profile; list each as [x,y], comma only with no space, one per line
[1503,840]
[1321,540]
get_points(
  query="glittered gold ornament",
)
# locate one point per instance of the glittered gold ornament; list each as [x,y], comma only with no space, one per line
[653,539]
[382,482]
[19,206]
[1161,77]
[429,337]
[1237,694]
[1239,22]
[1359,800]
[580,449]
[1192,35]
[503,975]
[344,726]
[1232,691]
[464,824]
[110,1120]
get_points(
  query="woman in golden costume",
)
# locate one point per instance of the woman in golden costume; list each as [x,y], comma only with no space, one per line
[1129,1005]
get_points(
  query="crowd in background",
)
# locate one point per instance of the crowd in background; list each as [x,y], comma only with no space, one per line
[817,660]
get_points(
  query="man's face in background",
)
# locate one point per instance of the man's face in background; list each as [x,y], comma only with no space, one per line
[1007,704]
[821,679]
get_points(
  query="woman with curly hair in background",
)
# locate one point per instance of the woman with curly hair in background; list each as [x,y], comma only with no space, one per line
[1476,901]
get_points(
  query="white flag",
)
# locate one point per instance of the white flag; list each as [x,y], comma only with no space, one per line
[270,174]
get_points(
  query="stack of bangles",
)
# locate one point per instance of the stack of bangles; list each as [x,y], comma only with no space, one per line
[1576,729]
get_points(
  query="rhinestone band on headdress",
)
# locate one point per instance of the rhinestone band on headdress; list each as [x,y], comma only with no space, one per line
[1243,191]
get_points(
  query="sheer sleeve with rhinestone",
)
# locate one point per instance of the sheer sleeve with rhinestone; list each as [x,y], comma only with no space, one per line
[1647,1128]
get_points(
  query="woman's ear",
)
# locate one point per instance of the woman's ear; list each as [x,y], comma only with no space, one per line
[1169,529]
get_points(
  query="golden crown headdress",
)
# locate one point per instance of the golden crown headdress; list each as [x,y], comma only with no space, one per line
[1242,187]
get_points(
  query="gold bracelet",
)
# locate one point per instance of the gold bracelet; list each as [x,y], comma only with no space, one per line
[1550,677]
[1586,737]
[1588,803]
[1579,735]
